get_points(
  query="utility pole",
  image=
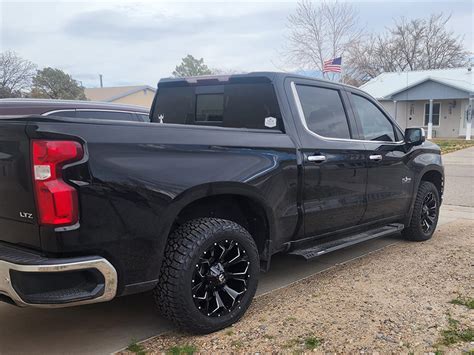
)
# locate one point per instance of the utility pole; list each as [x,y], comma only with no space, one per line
[101,83]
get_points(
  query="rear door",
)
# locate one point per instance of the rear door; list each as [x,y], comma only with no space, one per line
[17,206]
[389,180]
[334,167]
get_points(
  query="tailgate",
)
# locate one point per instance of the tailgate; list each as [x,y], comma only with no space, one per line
[17,204]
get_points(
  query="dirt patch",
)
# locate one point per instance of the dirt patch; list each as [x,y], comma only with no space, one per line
[394,300]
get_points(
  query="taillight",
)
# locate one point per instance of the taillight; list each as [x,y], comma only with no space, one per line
[56,201]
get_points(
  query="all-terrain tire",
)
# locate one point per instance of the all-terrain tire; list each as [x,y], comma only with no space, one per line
[185,248]
[415,231]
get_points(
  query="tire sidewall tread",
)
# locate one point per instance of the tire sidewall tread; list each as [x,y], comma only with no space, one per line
[414,231]
[185,246]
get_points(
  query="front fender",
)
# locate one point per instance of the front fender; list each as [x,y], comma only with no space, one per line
[422,164]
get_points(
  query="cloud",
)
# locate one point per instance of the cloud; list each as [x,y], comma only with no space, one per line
[123,26]
[15,38]
[138,43]
[120,26]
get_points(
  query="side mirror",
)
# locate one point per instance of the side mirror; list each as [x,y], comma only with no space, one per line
[414,136]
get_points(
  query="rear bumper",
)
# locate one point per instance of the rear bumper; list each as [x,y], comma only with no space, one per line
[28,279]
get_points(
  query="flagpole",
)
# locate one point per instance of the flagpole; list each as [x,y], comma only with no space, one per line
[340,78]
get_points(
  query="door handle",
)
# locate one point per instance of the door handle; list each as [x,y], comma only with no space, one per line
[316,158]
[375,157]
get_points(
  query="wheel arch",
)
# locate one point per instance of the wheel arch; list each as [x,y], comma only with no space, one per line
[436,178]
[237,202]
[430,173]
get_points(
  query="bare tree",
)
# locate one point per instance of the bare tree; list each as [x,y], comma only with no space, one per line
[16,74]
[443,48]
[321,32]
[416,44]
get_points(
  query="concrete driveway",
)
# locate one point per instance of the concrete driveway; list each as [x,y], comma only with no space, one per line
[105,328]
[459,171]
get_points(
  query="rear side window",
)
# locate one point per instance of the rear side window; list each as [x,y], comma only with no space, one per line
[237,105]
[107,115]
[323,111]
[375,125]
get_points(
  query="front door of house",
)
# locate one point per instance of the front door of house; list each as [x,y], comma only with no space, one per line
[463,120]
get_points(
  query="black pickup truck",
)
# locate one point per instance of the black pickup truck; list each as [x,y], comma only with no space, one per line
[231,170]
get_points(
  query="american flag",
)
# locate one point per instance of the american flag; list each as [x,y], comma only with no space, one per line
[332,65]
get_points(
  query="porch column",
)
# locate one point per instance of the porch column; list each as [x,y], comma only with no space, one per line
[395,110]
[469,119]
[430,121]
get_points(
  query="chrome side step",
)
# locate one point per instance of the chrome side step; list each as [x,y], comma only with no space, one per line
[327,247]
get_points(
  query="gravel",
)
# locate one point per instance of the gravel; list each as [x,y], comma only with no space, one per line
[393,300]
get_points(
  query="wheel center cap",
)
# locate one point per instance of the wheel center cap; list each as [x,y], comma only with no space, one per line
[221,278]
[217,274]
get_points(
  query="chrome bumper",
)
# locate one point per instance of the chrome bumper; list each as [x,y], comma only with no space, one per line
[59,265]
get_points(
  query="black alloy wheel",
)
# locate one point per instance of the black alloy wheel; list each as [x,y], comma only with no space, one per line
[424,217]
[220,278]
[429,211]
[209,275]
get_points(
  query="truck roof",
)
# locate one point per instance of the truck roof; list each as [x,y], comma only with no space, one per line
[265,76]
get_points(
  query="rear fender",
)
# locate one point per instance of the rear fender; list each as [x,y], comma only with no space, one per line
[214,189]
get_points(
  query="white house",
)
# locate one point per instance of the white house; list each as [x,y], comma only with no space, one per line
[442,97]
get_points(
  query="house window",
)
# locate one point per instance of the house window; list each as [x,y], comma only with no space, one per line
[436,112]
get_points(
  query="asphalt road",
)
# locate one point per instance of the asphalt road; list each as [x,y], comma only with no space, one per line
[107,327]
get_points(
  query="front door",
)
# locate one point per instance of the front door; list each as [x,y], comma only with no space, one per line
[389,180]
[334,166]
[466,115]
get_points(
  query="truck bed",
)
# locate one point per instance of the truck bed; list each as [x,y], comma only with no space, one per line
[17,207]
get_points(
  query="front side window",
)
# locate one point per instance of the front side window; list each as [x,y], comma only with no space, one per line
[436,111]
[374,124]
[323,111]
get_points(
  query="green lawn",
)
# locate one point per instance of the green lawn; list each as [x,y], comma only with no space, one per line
[451,145]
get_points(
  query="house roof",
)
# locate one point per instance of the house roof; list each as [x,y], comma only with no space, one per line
[388,84]
[114,93]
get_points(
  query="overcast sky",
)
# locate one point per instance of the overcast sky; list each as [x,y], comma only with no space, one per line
[133,43]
